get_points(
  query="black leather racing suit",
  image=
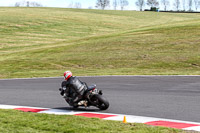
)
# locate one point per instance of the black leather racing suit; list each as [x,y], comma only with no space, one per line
[73,90]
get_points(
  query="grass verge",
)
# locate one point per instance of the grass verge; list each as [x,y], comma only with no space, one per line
[44,42]
[13,121]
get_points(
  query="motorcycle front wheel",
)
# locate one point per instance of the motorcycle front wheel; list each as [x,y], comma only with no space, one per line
[100,102]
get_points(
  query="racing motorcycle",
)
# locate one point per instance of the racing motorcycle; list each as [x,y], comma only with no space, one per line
[92,97]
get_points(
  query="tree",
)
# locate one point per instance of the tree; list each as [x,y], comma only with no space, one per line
[183,3]
[102,4]
[140,4]
[35,4]
[165,3]
[190,5]
[152,3]
[77,5]
[115,4]
[28,4]
[71,4]
[17,4]
[197,4]
[123,3]
[177,4]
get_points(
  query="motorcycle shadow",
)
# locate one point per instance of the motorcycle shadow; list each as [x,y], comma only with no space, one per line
[78,109]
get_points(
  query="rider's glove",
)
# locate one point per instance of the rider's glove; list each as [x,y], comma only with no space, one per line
[62,93]
[62,90]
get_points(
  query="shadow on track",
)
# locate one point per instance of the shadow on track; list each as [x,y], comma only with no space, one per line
[78,109]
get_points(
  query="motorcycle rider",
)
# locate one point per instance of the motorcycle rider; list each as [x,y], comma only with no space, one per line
[72,89]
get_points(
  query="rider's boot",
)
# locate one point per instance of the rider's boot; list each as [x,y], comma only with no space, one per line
[83,102]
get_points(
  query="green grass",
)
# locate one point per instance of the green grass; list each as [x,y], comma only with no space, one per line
[44,42]
[13,121]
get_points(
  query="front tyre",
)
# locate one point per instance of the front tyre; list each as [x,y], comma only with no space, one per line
[75,106]
[100,102]
[71,104]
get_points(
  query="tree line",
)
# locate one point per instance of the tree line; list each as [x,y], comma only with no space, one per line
[27,4]
[187,5]
[151,3]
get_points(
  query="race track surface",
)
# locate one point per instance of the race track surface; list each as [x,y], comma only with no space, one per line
[170,97]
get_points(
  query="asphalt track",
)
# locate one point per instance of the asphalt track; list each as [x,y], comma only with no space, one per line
[170,97]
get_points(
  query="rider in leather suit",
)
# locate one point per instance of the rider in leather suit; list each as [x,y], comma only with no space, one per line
[72,89]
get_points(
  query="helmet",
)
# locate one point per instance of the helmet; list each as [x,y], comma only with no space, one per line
[67,75]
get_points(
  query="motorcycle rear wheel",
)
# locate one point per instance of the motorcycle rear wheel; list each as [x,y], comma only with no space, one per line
[100,102]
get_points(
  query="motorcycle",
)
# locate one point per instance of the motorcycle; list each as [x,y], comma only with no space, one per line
[92,97]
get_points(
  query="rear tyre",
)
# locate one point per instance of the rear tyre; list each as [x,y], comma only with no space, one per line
[101,102]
